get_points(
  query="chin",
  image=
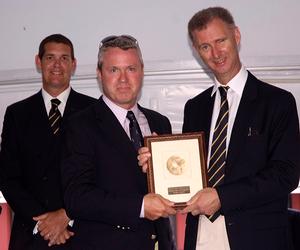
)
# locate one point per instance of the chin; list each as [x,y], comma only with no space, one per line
[223,70]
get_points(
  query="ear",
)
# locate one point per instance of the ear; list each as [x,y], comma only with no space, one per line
[74,65]
[237,35]
[99,74]
[38,62]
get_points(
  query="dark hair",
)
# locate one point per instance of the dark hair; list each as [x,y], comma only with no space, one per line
[205,16]
[55,38]
[123,42]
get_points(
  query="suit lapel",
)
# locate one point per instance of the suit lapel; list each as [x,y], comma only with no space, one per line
[142,177]
[207,112]
[112,130]
[39,118]
[151,121]
[204,116]
[72,104]
[245,113]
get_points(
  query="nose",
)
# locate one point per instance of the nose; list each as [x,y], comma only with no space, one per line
[216,53]
[123,76]
[57,62]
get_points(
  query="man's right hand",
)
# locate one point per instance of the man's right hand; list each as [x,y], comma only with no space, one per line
[52,226]
[155,206]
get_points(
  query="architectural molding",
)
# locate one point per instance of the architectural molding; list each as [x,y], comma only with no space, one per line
[167,84]
[271,69]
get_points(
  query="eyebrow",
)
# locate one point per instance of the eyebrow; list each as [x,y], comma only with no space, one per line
[53,54]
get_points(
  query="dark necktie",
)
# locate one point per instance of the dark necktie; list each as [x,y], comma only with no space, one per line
[54,116]
[135,131]
[217,161]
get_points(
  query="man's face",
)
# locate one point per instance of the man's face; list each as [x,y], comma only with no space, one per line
[56,67]
[121,76]
[217,44]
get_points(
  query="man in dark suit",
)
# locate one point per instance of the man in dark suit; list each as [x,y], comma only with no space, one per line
[248,202]
[105,190]
[30,151]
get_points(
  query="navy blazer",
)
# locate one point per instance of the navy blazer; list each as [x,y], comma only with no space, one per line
[262,165]
[104,186]
[29,163]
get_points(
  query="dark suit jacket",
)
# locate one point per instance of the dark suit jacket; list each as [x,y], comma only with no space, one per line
[262,165]
[29,162]
[104,186]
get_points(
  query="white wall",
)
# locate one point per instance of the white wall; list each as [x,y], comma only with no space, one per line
[268,27]
[270,44]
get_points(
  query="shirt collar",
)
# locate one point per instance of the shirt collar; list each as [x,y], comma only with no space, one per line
[236,84]
[63,96]
[118,111]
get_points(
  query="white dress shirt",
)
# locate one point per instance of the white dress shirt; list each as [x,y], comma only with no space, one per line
[63,97]
[212,236]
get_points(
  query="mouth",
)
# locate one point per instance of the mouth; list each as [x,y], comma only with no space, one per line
[220,61]
[56,73]
[124,89]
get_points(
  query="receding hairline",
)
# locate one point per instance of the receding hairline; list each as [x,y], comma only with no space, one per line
[202,18]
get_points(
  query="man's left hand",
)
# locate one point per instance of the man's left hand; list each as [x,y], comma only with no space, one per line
[206,201]
[52,225]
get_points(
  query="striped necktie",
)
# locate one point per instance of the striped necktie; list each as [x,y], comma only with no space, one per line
[54,116]
[217,161]
[135,131]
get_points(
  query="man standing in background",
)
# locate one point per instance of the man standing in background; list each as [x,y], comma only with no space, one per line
[252,135]
[30,151]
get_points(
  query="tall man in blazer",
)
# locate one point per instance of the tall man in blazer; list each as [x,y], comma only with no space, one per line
[105,190]
[30,151]
[262,147]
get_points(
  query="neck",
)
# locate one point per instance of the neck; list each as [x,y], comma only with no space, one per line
[54,92]
[226,78]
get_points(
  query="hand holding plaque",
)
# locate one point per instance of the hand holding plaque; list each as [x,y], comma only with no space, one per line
[177,166]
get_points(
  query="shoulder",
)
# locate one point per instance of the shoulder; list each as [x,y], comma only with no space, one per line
[96,110]
[25,104]
[83,115]
[152,114]
[158,123]
[269,92]
[203,97]
[81,98]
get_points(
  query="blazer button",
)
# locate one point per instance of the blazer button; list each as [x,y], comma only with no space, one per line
[45,178]
[153,236]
